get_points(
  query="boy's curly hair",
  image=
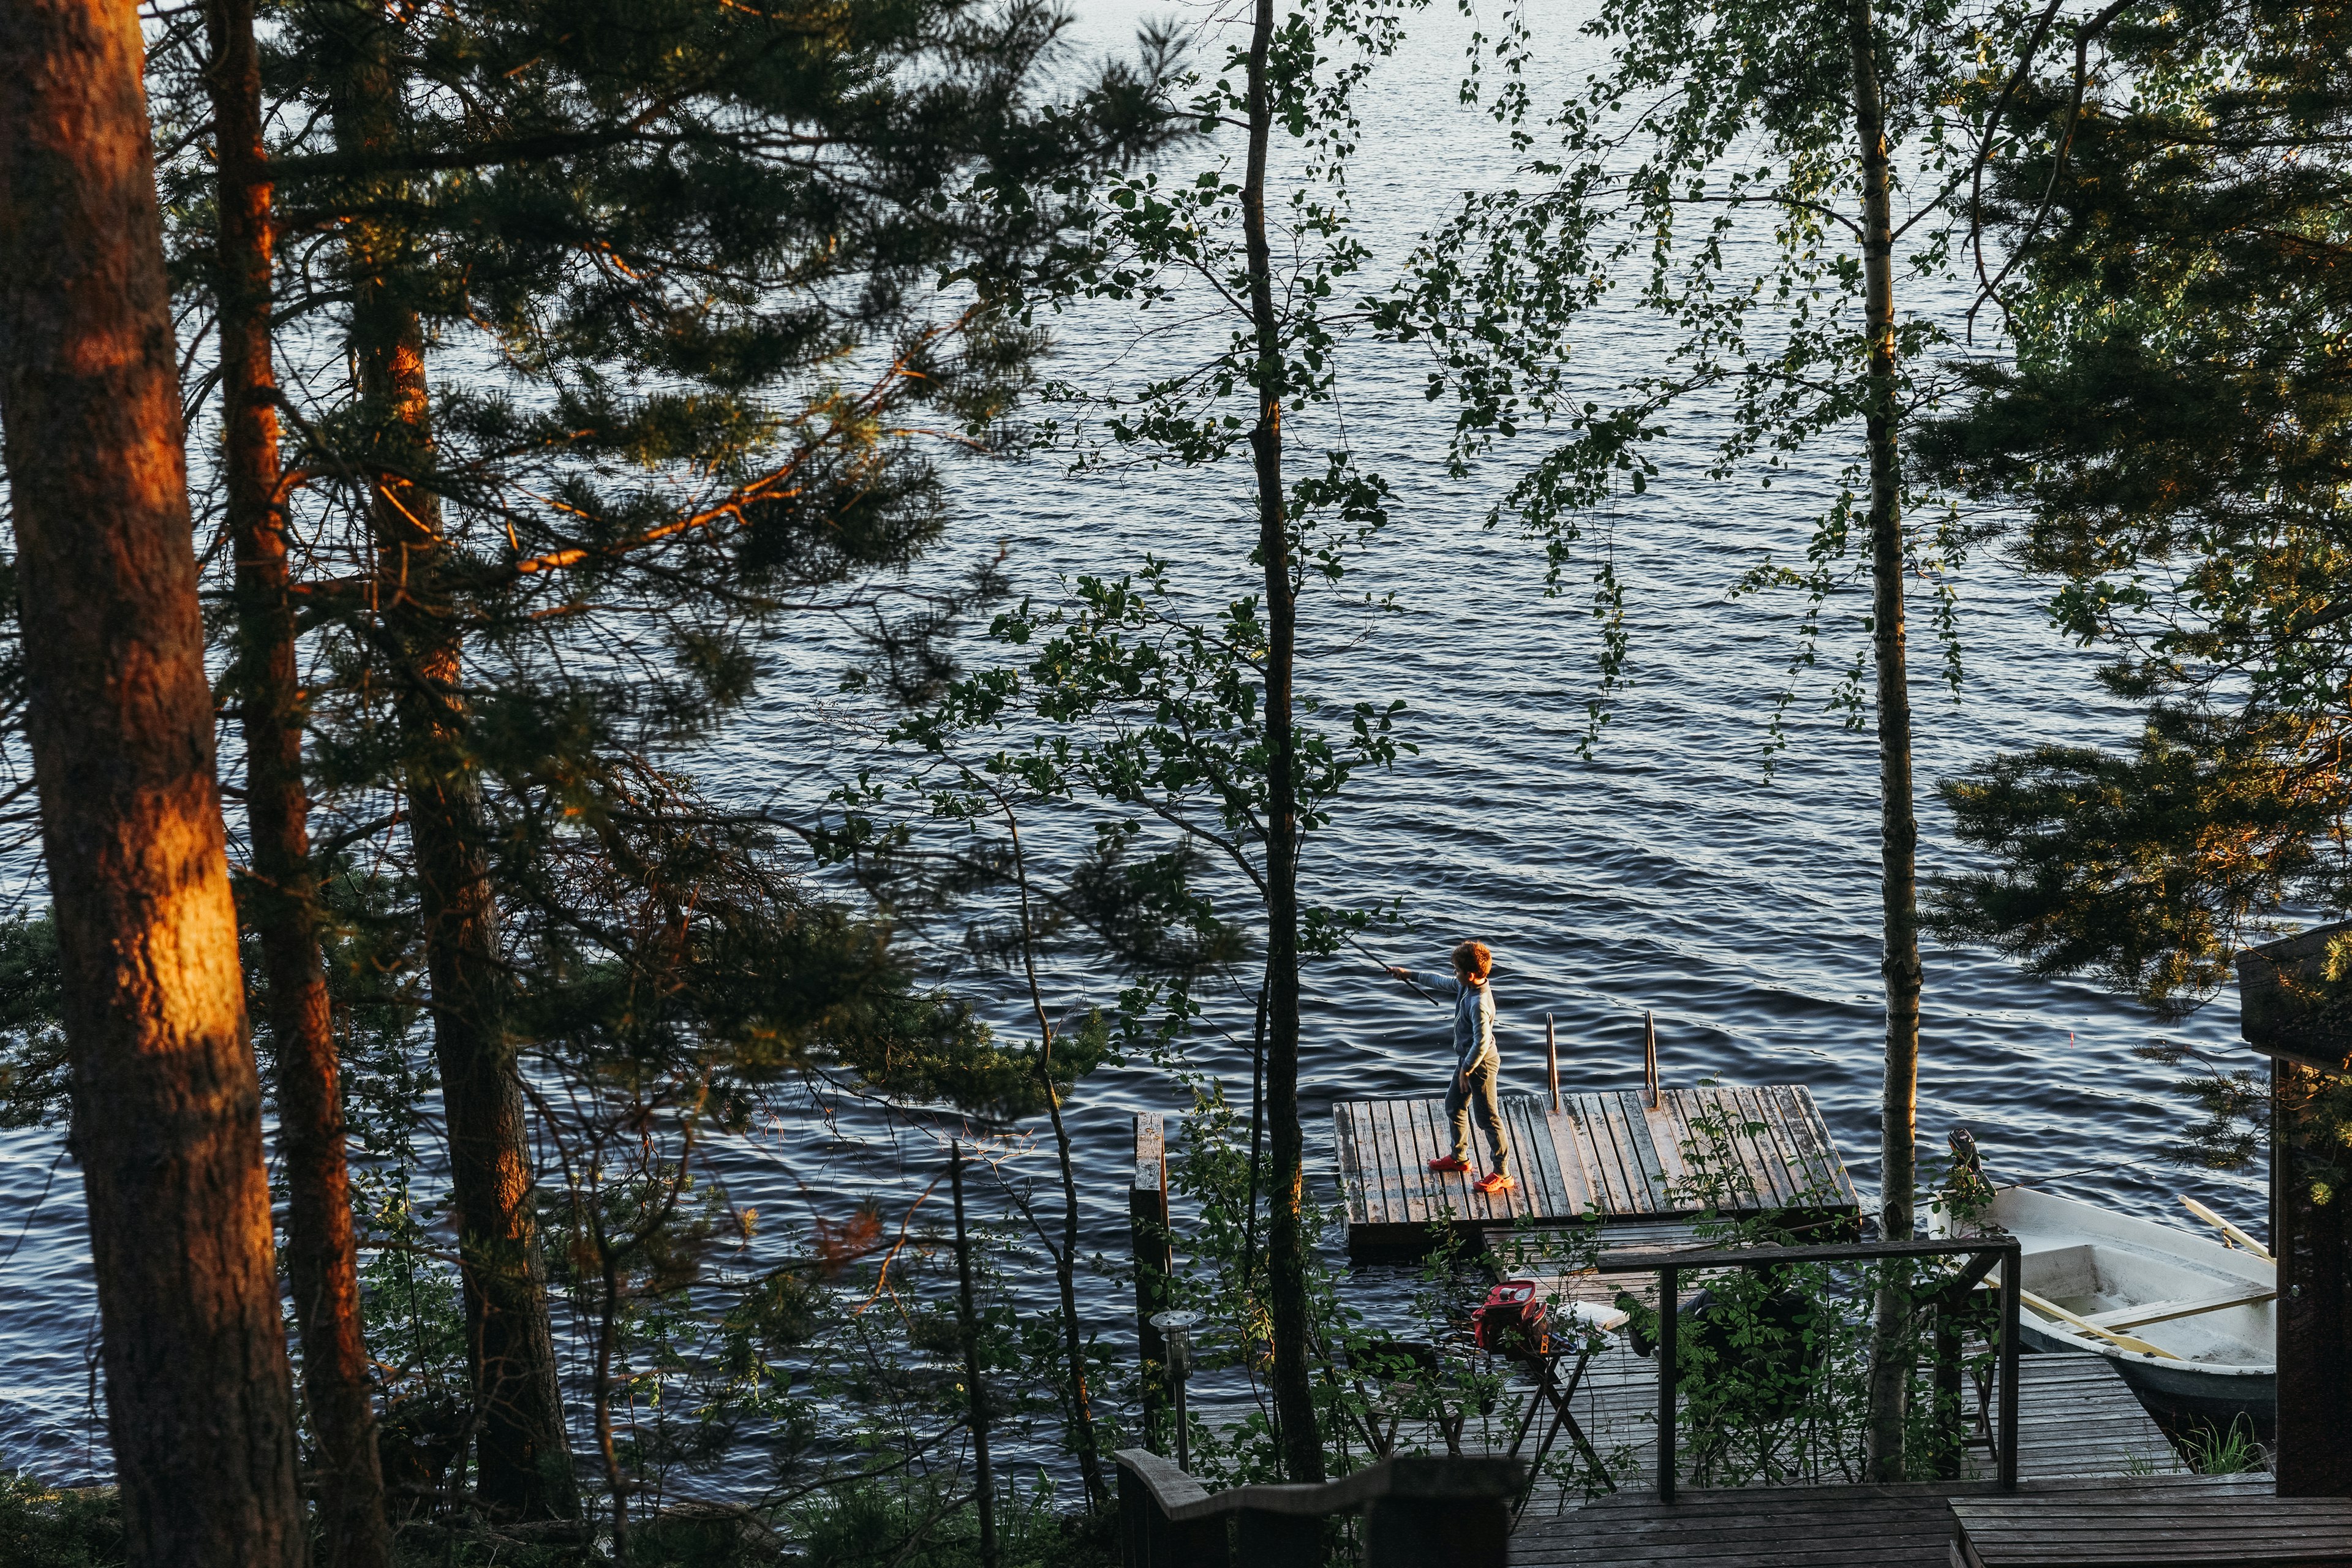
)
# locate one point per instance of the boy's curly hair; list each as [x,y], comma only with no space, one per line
[1474,959]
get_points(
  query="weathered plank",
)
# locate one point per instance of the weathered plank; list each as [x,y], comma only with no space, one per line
[1394,1177]
[1385,1199]
[1812,1172]
[1401,1150]
[1760,1124]
[1584,1189]
[1597,1119]
[1750,1158]
[1666,1144]
[1560,1192]
[1353,1192]
[1634,1113]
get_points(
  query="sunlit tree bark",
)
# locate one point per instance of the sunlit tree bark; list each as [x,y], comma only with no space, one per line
[321,1261]
[524,1463]
[167,1121]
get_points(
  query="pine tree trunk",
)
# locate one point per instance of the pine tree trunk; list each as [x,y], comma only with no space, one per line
[1286,1243]
[166,1101]
[524,1464]
[1899,820]
[321,1257]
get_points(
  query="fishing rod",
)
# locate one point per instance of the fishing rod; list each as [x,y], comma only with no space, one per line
[1349,939]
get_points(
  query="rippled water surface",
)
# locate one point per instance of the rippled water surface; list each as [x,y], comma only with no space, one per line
[1666,873]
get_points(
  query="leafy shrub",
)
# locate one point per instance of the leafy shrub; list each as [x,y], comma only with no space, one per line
[43,1527]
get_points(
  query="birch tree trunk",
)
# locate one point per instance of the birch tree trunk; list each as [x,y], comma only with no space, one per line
[523,1458]
[166,1101]
[1899,819]
[321,1258]
[1294,1401]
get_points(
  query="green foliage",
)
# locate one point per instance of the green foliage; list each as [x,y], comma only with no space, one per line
[2150,868]
[1222,1273]
[1138,698]
[2213,1451]
[33,1085]
[2175,425]
[42,1526]
[697,291]
[705,272]
[1126,709]
[877,1524]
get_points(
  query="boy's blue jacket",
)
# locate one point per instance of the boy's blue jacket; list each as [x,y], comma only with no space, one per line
[1474,1018]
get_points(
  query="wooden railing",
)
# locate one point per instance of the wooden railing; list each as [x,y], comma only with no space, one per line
[1418,1513]
[1984,1253]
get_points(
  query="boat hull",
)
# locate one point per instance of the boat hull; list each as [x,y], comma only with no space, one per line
[2101,1265]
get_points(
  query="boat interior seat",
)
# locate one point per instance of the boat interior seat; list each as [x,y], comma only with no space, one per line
[2167,1312]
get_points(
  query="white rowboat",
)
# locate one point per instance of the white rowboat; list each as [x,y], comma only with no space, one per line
[2189,1321]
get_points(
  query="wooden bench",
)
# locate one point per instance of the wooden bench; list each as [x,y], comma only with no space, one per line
[2151,1527]
[1419,1512]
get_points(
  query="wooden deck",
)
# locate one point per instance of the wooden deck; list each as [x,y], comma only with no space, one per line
[1823,1527]
[1599,1158]
[2179,1527]
[2076,1416]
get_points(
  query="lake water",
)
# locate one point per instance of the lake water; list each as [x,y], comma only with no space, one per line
[1666,873]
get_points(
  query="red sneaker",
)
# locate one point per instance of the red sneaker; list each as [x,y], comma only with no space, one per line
[1449,1163]
[1498,1183]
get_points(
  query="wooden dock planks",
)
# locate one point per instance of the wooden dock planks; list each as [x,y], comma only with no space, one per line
[1599,1158]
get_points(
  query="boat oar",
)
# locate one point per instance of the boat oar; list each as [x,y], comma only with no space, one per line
[2053,1309]
[2226,1229]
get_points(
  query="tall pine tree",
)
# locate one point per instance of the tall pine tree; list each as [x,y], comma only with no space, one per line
[2177,425]
[2169,231]
[642,307]
[166,1101]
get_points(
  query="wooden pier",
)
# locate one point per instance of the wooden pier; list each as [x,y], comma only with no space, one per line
[1599,1159]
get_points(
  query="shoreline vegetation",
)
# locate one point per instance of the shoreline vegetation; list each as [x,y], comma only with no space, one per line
[428,429]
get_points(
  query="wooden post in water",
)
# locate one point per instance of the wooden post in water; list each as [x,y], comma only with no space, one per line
[1650,1056]
[1551,1061]
[972,1386]
[1154,1256]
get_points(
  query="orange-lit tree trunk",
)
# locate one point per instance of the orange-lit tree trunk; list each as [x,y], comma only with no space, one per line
[523,1463]
[322,1259]
[167,1105]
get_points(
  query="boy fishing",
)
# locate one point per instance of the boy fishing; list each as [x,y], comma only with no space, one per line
[1477,1063]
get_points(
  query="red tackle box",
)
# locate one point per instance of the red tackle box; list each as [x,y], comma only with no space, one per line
[1513,1320]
